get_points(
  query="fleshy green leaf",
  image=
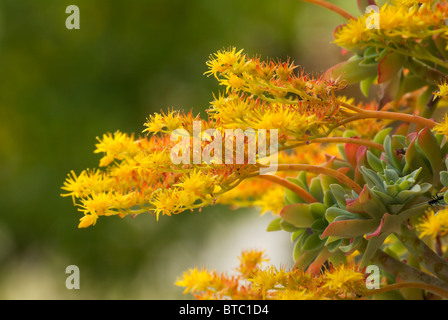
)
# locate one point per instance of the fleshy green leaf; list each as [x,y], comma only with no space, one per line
[374,162]
[274,225]
[316,189]
[298,215]
[318,210]
[351,71]
[313,242]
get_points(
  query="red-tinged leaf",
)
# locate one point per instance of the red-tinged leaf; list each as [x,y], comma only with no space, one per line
[389,223]
[377,232]
[371,206]
[402,129]
[344,51]
[353,206]
[343,170]
[389,66]
[351,153]
[350,228]
[361,154]
[411,137]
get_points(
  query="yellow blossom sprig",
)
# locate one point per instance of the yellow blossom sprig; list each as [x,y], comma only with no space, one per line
[253,281]
[442,91]
[434,224]
[403,25]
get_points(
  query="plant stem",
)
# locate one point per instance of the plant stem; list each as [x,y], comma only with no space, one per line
[362,142]
[292,186]
[424,255]
[332,7]
[350,106]
[405,272]
[391,116]
[319,169]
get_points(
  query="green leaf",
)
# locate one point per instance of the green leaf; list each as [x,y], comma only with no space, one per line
[371,177]
[274,225]
[414,161]
[313,242]
[390,155]
[353,244]
[302,178]
[339,194]
[365,85]
[329,199]
[298,215]
[303,259]
[286,226]
[316,189]
[380,136]
[318,210]
[292,198]
[444,178]
[319,225]
[428,144]
[333,212]
[351,71]
[298,182]
[296,234]
[334,245]
[374,162]
[372,246]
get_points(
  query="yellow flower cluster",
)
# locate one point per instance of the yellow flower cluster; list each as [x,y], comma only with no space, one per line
[402,24]
[442,91]
[139,174]
[255,282]
[434,224]
[272,95]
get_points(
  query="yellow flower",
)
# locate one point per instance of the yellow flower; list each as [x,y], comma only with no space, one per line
[88,220]
[434,224]
[303,294]
[99,204]
[195,280]
[197,183]
[171,201]
[88,182]
[117,146]
[398,24]
[250,261]
[226,59]
[343,279]
[442,128]
[443,90]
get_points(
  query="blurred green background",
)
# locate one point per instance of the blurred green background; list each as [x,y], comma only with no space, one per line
[60,89]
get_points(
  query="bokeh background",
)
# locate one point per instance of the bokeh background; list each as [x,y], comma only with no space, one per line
[60,89]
